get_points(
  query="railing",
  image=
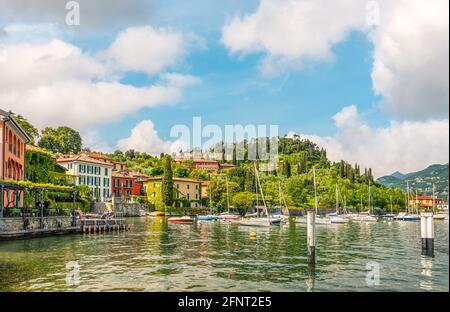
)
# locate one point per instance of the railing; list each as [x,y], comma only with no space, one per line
[36,212]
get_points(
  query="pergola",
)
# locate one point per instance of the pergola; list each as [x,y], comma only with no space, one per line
[16,193]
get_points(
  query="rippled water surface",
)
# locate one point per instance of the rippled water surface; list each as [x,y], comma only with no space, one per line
[156,256]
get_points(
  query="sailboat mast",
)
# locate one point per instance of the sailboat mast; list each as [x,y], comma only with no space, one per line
[407,196]
[391,205]
[228,197]
[434,200]
[337,199]
[315,189]
[257,193]
[262,194]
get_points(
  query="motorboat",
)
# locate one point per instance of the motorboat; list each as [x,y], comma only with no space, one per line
[403,216]
[207,218]
[182,220]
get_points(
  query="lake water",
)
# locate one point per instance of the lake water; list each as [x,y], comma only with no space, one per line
[157,256]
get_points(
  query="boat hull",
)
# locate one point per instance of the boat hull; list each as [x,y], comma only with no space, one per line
[180,220]
[260,222]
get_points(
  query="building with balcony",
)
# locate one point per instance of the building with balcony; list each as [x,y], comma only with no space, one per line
[93,172]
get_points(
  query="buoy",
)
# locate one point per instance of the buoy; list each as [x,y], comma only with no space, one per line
[252,235]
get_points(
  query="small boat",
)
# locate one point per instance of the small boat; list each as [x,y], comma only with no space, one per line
[207,218]
[183,220]
[440,216]
[319,220]
[338,220]
[228,216]
[260,222]
[403,216]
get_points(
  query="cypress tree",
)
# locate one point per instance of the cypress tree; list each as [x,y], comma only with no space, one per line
[287,169]
[167,182]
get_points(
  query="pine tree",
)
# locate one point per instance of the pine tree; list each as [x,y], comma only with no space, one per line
[167,182]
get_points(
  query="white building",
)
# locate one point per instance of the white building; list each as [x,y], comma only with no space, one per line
[89,171]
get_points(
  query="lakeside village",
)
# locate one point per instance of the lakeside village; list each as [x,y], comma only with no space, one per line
[53,186]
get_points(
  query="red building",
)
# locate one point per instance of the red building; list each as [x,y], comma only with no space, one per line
[122,184]
[138,184]
[13,139]
[12,148]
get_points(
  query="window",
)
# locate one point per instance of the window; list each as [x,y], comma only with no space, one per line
[188,186]
[106,172]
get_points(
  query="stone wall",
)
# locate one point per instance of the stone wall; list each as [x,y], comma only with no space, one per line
[33,223]
[130,209]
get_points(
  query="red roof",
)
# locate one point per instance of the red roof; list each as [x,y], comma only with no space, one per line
[174,179]
[82,158]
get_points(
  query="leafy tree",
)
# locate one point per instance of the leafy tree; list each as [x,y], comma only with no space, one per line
[61,140]
[167,182]
[32,131]
[243,200]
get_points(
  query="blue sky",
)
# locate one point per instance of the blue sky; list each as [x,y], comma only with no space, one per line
[232,91]
[366,83]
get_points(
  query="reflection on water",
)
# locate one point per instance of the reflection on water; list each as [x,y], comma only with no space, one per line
[214,256]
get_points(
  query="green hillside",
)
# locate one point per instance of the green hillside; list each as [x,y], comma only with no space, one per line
[421,181]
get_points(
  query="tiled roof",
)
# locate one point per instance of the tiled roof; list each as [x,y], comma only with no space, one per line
[174,179]
[82,158]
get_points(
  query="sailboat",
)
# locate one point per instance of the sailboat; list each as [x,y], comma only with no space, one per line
[390,215]
[367,216]
[228,216]
[208,217]
[319,220]
[407,216]
[437,216]
[282,200]
[261,221]
[334,217]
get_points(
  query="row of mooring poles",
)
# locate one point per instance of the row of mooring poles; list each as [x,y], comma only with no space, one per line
[426,232]
[88,229]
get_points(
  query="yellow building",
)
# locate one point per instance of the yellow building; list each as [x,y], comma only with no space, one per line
[186,192]
[424,201]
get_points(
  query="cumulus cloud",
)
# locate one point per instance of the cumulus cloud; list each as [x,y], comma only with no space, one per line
[144,138]
[55,83]
[293,32]
[147,49]
[411,63]
[404,146]
[411,45]
[95,16]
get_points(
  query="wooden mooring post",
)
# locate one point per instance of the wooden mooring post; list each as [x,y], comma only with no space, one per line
[427,233]
[311,236]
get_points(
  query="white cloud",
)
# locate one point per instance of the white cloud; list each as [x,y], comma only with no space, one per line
[293,32]
[404,146]
[55,83]
[144,138]
[95,16]
[147,49]
[411,45]
[411,63]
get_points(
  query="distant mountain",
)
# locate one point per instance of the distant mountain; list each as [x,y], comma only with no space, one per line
[422,181]
[398,175]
